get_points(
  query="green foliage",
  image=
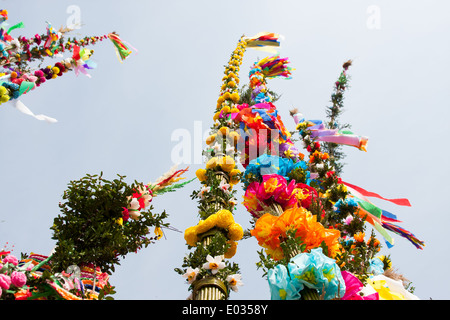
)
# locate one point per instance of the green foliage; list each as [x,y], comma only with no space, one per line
[88,229]
[245,95]
[291,246]
[217,247]
[333,112]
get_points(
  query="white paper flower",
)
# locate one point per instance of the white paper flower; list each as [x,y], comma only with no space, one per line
[224,187]
[233,201]
[234,281]
[134,204]
[134,214]
[216,147]
[214,264]
[204,190]
[191,274]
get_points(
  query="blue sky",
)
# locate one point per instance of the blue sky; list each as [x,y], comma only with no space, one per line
[122,119]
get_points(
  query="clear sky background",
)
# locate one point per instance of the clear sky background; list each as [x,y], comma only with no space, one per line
[122,119]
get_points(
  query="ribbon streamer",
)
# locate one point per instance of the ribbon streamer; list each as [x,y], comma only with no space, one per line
[122,50]
[24,109]
[265,41]
[320,133]
[380,219]
[400,201]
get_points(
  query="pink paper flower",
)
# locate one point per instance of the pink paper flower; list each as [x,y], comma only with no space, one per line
[5,281]
[19,279]
[275,188]
[353,287]
[11,259]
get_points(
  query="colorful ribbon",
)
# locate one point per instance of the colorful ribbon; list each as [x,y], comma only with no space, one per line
[382,220]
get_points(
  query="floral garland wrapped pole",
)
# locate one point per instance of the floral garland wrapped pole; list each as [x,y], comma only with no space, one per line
[18,77]
[215,236]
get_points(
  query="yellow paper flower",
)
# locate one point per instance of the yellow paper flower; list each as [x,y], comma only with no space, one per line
[201,174]
[224,218]
[235,97]
[211,139]
[235,232]
[234,136]
[158,233]
[226,96]
[225,109]
[212,163]
[190,235]
[224,131]
[231,250]
[207,224]
[227,163]
[217,114]
[234,176]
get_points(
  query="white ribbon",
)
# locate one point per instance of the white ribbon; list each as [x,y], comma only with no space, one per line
[24,109]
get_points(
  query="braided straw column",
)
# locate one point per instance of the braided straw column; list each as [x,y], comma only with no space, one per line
[211,287]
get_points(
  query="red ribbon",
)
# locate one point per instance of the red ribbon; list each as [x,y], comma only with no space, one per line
[400,201]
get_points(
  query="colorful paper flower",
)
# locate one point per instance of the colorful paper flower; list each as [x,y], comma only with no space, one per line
[270,164]
[317,271]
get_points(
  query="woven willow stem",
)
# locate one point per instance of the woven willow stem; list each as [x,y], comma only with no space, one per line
[309,294]
[209,288]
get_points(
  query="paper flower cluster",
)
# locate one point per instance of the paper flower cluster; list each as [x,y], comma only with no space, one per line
[274,188]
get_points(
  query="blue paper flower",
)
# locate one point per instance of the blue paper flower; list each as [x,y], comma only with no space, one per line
[349,201]
[376,266]
[317,271]
[281,286]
